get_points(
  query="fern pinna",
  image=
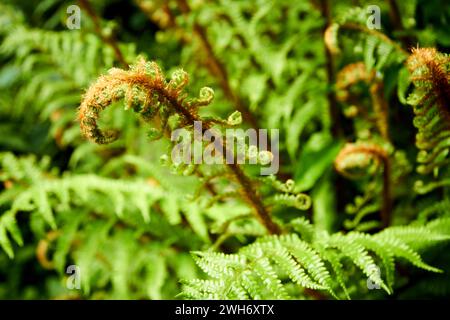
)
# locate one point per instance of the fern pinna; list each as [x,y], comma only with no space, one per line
[276,267]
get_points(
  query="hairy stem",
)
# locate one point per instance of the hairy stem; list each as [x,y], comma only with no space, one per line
[396,20]
[109,40]
[329,65]
[386,197]
[380,108]
[245,183]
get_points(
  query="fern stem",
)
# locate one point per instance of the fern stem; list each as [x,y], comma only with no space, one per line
[380,108]
[329,66]
[331,94]
[396,20]
[386,198]
[248,189]
[217,68]
[108,39]
[254,199]
[42,249]
[212,63]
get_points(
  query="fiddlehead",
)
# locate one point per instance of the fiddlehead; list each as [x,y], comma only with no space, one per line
[430,74]
[354,160]
[145,91]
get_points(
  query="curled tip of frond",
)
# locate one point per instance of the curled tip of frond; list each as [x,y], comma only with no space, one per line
[349,76]
[356,72]
[205,97]
[358,156]
[144,90]
[428,68]
[430,73]
[353,73]
[235,118]
[331,39]
[425,57]
[134,86]
[179,80]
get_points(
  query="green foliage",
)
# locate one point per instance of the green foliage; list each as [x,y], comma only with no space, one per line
[349,214]
[267,268]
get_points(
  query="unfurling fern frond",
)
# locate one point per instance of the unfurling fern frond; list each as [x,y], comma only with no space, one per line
[30,190]
[145,91]
[430,73]
[358,159]
[282,266]
[355,158]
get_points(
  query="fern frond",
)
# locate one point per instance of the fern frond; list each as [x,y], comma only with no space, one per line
[431,76]
[47,195]
[359,255]
[320,265]
[145,91]
[366,157]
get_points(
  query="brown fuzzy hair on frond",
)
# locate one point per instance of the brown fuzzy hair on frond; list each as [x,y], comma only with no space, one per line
[430,73]
[144,90]
[429,69]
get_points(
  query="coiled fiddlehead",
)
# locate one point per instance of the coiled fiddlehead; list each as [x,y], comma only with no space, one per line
[357,72]
[145,91]
[429,71]
[361,156]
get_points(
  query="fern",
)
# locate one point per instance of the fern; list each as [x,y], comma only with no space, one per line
[45,194]
[345,217]
[429,71]
[277,261]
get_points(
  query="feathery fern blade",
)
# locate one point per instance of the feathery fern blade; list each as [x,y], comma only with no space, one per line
[402,250]
[309,259]
[269,278]
[360,257]
[333,258]
[5,243]
[8,220]
[294,270]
